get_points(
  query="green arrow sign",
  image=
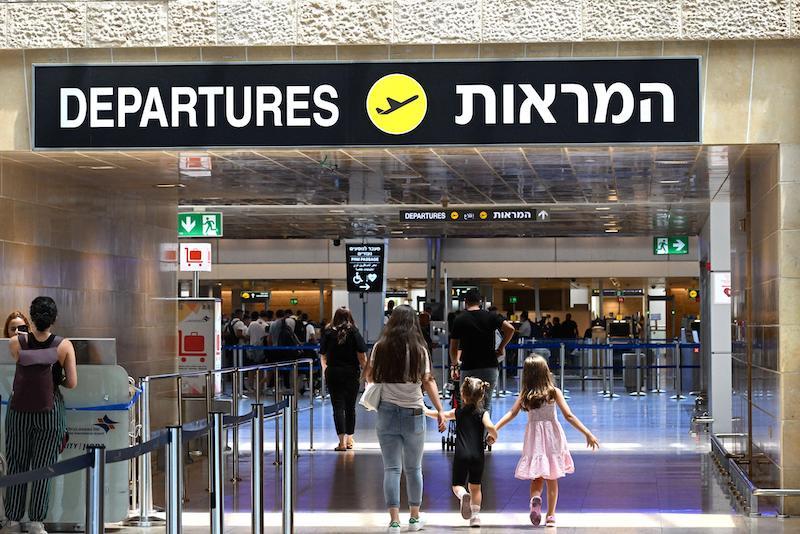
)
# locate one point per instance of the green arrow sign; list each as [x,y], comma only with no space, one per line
[668,246]
[199,224]
[512,300]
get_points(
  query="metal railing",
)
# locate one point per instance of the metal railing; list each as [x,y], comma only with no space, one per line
[95,461]
[740,485]
[143,488]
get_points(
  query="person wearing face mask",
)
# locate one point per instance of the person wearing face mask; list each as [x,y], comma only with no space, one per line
[35,422]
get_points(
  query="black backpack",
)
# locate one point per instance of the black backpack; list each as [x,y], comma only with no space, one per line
[230,337]
[287,338]
[300,331]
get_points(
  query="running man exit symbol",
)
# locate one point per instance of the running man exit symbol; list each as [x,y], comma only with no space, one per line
[668,246]
[200,224]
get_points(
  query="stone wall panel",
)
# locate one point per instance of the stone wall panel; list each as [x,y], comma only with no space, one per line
[437,21]
[126,24]
[193,22]
[531,20]
[46,25]
[628,20]
[735,19]
[256,22]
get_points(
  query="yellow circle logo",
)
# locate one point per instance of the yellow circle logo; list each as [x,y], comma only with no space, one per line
[396,104]
[245,296]
[483,215]
[454,215]
[693,293]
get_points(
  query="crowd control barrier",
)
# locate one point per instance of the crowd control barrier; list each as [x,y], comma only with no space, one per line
[596,363]
[97,460]
[146,515]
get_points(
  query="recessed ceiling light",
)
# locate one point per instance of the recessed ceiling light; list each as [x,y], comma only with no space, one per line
[170,186]
[503,279]
[97,167]
[336,211]
[612,230]
[667,182]
[612,198]
[397,232]
[610,224]
[603,209]
[674,161]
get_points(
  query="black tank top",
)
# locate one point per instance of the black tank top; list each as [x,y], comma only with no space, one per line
[469,433]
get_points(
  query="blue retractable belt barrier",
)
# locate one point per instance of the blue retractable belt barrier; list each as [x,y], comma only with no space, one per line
[236,420]
[103,407]
[61,468]
[129,453]
[266,347]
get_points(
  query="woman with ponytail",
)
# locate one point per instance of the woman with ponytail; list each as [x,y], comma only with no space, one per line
[343,354]
[35,424]
[472,423]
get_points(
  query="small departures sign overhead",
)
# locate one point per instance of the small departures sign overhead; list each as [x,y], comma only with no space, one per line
[474,215]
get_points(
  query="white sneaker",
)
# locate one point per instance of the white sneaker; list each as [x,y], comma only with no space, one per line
[466,506]
[416,524]
[36,528]
[475,521]
[394,527]
[11,527]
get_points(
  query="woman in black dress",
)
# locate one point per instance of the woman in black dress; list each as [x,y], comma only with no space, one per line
[343,354]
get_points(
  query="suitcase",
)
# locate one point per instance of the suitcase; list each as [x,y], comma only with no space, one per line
[194,342]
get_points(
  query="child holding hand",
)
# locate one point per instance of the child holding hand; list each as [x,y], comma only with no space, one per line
[472,422]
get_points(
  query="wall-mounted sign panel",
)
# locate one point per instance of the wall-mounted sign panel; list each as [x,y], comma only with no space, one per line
[365,268]
[721,282]
[163,106]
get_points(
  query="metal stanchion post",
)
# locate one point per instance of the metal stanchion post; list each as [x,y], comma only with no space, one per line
[295,413]
[638,392]
[95,490]
[311,406]
[216,465]
[288,466]
[657,388]
[258,385]
[257,469]
[145,498]
[563,354]
[609,370]
[179,395]
[678,374]
[235,413]
[209,437]
[277,424]
[174,494]
[602,357]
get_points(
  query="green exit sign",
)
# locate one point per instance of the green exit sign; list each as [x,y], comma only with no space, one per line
[293,301]
[668,246]
[199,224]
[512,300]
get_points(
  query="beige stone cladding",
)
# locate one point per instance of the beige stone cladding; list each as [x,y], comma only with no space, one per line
[29,24]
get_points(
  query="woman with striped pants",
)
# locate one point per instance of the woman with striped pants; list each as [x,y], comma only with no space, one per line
[35,423]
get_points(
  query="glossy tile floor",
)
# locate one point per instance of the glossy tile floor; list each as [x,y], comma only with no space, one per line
[651,475]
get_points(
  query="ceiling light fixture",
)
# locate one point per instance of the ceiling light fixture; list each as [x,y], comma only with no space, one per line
[503,279]
[336,211]
[97,167]
[170,186]
[669,182]
[603,209]
[612,230]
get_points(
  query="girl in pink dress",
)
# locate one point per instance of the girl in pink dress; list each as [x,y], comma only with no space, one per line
[545,455]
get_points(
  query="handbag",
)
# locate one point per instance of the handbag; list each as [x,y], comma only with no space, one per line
[371,397]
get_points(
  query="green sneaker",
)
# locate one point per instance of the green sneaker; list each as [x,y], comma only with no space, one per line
[415,524]
[394,527]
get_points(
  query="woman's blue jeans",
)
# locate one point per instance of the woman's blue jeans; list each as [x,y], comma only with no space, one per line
[401,435]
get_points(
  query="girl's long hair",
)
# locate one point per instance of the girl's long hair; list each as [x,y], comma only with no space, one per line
[537,383]
[342,324]
[473,392]
[400,355]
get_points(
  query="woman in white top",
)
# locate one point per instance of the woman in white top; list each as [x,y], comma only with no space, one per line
[401,363]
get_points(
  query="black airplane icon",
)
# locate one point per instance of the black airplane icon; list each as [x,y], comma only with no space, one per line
[394,105]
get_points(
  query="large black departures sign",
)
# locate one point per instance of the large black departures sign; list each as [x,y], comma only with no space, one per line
[367,104]
[365,268]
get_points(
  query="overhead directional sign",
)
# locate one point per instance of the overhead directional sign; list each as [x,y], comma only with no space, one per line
[552,101]
[668,246]
[199,224]
[365,268]
[477,215]
[255,295]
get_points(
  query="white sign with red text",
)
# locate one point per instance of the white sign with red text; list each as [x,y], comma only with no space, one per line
[721,282]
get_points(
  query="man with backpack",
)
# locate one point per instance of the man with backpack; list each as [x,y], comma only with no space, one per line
[235,333]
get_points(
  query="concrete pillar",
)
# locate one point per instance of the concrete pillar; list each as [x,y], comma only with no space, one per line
[715,245]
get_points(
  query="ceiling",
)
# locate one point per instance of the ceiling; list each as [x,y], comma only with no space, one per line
[629,190]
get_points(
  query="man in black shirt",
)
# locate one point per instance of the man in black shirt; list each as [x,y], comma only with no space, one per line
[569,328]
[473,333]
